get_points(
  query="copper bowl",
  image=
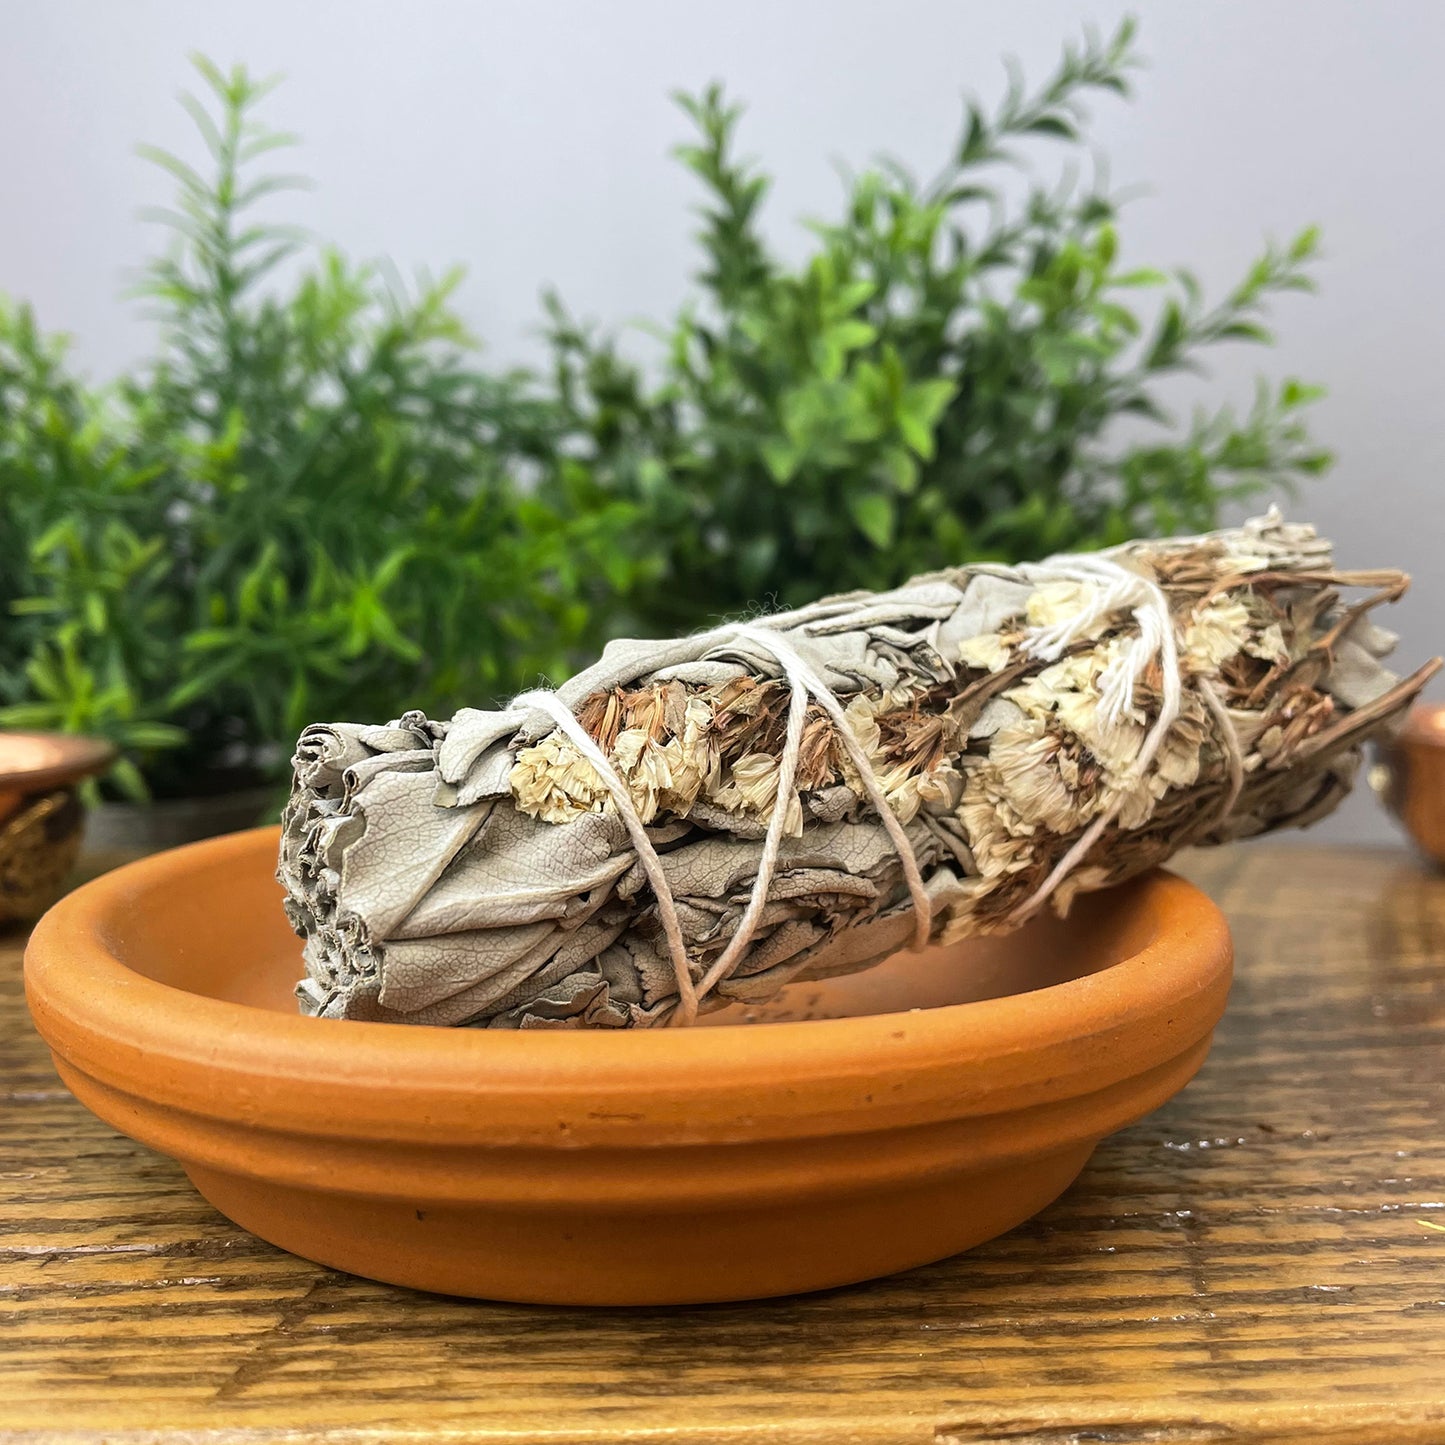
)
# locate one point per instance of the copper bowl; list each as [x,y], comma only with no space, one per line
[918,1109]
[1411,778]
[41,820]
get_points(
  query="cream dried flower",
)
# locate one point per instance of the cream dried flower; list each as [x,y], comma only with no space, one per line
[999,843]
[752,787]
[1067,696]
[646,767]
[551,780]
[1242,562]
[693,759]
[1072,676]
[1057,604]
[906,789]
[940,789]
[987,652]
[861,715]
[1268,645]
[1180,759]
[1215,632]
[1030,780]
[1068,692]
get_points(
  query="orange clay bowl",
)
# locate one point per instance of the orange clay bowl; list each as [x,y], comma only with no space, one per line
[31,763]
[889,1119]
[1416,783]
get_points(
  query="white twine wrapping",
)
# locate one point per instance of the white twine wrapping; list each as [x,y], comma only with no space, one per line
[1114,588]
[803,683]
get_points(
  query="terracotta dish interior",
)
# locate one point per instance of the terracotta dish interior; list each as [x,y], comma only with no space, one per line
[851,1128]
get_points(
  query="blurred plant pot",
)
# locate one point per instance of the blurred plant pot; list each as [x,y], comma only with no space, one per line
[41,819]
[1410,777]
[150,827]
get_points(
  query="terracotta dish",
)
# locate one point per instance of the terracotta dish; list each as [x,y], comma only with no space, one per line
[923,1107]
[1412,778]
[41,818]
[33,763]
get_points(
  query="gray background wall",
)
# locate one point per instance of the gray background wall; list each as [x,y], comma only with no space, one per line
[530,141]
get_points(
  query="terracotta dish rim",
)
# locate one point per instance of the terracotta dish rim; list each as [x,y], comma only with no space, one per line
[248,1065]
[81,757]
[1425,724]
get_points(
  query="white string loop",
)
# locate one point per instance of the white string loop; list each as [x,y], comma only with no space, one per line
[1115,587]
[562,715]
[1233,755]
[772,844]
[803,683]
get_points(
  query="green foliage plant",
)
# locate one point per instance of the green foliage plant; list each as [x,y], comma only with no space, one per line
[313,502]
[951,374]
[307,505]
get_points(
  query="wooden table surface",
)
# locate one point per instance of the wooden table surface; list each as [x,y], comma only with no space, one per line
[1262,1260]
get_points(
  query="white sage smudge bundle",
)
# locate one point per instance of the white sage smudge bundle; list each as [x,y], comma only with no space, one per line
[702,820]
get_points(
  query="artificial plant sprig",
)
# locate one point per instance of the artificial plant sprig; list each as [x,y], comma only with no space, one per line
[313,500]
[308,500]
[941,380]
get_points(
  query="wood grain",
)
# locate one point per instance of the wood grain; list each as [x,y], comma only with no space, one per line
[1255,1262]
